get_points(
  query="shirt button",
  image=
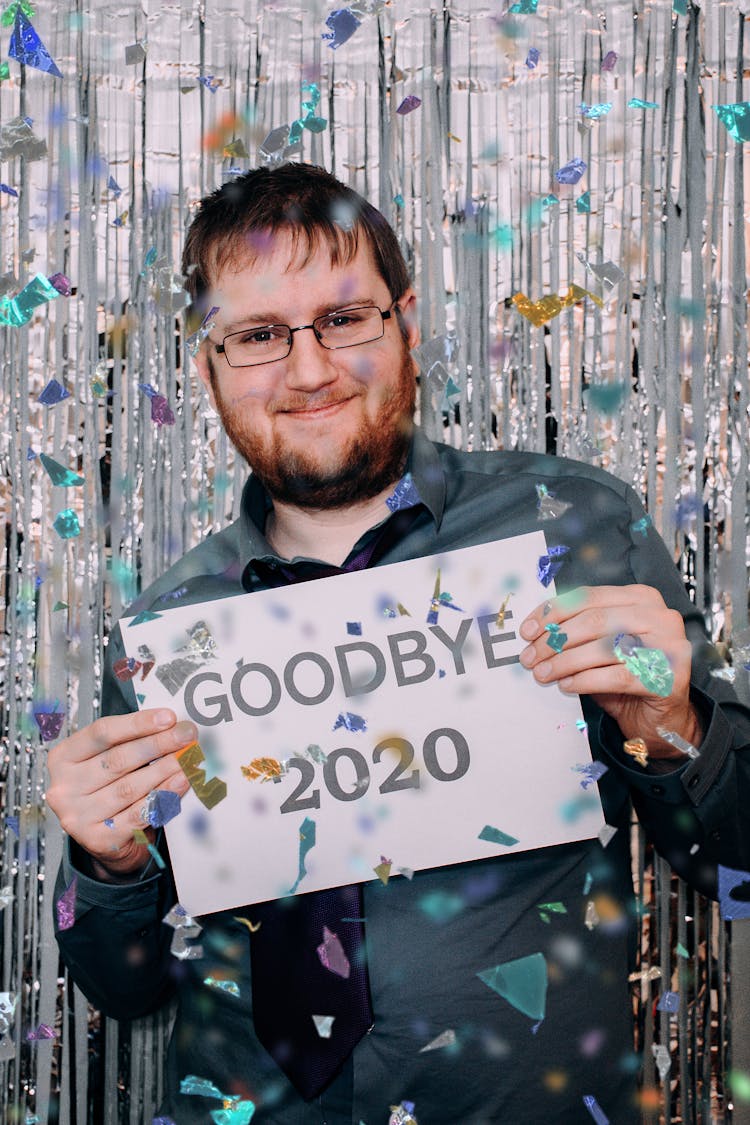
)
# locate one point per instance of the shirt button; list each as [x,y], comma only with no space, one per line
[693,781]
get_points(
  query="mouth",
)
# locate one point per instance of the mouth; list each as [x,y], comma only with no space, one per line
[315,411]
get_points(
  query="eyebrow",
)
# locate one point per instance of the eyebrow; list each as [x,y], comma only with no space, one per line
[262,318]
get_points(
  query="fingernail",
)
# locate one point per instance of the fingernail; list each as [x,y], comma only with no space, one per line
[528,629]
[527,656]
[185,732]
[164,719]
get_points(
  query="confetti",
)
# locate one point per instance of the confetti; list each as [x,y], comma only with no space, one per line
[641,526]
[609,61]
[323,1025]
[53,393]
[161,411]
[446,1038]
[522,982]
[342,23]
[557,639]
[599,109]
[735,117]
[549,565]
[66,524]
[135,53]
[663,1060]
[383,870]
[734,893]
[532,58]
[409,104]
[402,1114]
[595,1109]
[194,342]
[547,308]
[263,769]
[58,474]
[306,842]
[161,806]
[503,612]
[17,139]
[27,48]
[253,927]
[61,283]
[571,172]
[332,956]
[184,927]
[548,908]
[591,771]
[606,834]
[638,103]
[43,1031]
[583,203]
[209,793]
[404,495]
[18,310]
[241,1113]
[66,906]
[649,665]
[126,668]
[524,7]
[668,1002]
[678,741]
[200,1087]
[229,986]
[496,836]
[350,722]
[49,723]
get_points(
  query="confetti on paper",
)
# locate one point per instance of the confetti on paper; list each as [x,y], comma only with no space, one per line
[446,1038]
[262,769]
[591,771]
[383,870]
[58,474]
[306,842]
[549,565]
[522,982]
[496,836]
[324,1025]
[332,956]
[350,722]
[161,806]
[190,760]
[66,906]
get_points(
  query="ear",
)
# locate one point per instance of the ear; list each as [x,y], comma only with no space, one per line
[408,306]
[203,366]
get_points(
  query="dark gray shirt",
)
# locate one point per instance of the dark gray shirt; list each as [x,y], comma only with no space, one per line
[429,937]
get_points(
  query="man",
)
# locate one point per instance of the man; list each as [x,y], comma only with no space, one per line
[308,364]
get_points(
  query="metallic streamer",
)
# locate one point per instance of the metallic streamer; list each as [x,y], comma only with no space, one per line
[476,159]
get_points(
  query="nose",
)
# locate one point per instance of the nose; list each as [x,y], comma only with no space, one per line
[309,366]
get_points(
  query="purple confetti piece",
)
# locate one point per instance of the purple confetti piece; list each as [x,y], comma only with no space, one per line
[549,565]
[9,190]
[61,283]
[409,104]
[405,494]
[113,186]
[162,805]
[49,723]
[12,823]
[66,906]
[609,61]
[53,393]
[43,1031]
[350,721]
[332,956]
[571,172]
[532,58]
[161,411]
[109,822]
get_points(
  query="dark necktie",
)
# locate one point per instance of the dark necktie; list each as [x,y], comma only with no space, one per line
[290,982]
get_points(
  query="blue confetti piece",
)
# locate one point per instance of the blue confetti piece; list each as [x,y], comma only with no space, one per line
[532,58]
[162,805]
[405,494]
[734,893]
[354,628]
[113,186]
[109,822]
[306,843]
[26,47]
[591,771]
[9,190]
[342,23]
[571,172]
[53,393]
[13,823]
[599,109]
[350,722]
[409,104]
[548,566]
[595,1109]
[669,1002]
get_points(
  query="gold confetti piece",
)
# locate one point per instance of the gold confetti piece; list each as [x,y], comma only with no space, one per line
[637,749]
[503,610]
[252,927]
[547,308]
[264,768]
[383,871]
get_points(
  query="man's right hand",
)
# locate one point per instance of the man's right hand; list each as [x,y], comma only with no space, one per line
[104,772]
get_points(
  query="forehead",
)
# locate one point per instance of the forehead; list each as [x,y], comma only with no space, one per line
[281,268]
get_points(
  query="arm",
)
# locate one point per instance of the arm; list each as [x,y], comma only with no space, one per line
[117,949]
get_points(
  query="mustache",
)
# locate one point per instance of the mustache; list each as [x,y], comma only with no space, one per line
[316,400]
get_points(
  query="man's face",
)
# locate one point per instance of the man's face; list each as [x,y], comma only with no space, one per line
[322,429]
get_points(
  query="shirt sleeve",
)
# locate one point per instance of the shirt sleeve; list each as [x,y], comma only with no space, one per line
[693,811]
[118,949]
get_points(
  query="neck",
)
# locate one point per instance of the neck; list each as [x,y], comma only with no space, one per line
[328,535]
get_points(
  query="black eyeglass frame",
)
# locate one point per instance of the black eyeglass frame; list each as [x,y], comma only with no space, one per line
[385,314]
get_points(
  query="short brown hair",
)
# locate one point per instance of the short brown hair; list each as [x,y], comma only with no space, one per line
[233,222]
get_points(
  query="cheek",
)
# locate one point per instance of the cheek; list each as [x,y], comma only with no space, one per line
[245,396]
[363,368]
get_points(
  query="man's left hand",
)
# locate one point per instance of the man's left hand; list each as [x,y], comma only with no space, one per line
[592,617]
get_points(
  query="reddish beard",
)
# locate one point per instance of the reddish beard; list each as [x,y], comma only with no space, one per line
[367,463]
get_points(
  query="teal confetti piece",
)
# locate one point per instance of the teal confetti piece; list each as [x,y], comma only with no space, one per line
[141,618]
[679,7]
[556,639]
[229,986]
[240,1114]
[736,117]
[523,983]
[306,843]
[638,103]
[599,109]
[583,203]
[18,310]
[650,666]
[524,7]
[58,474]
[66,524]
[495,836]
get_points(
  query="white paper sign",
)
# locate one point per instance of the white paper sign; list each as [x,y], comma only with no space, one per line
[394,705]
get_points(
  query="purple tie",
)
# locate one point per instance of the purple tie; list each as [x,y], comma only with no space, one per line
[306,943]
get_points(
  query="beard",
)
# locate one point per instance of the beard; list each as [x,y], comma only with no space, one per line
[364,464]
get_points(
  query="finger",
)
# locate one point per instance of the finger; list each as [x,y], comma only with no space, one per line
[615,679]
[126,757]
[551,666]
[123,809]
[113,730]
[589,598]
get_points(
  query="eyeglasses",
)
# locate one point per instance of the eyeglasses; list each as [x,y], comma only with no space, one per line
[345,328]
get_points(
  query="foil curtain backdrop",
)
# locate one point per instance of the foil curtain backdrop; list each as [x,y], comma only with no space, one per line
[160,103]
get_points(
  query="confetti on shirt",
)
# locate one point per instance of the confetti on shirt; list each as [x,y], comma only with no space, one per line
[66,906]
[446,1038]
[404,495]
[324,1025]
[595,1110]
[332,956]
[522,982]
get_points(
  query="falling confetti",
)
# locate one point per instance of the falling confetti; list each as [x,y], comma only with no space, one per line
[306,842]
[522,982]
[446,1038]
[324,1025]
[66,906]
[332,956]
[351,722]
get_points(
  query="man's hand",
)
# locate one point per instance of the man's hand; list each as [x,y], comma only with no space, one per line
[592,617]
[104,772]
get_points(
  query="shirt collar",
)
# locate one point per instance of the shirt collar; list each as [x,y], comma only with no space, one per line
[423,463]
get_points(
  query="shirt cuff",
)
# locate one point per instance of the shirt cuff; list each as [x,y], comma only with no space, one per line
[692,777]
[92,892]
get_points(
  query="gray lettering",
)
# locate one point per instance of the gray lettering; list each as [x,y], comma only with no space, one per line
[362,685]
[489,640]
[454,645]
[291,687]
[273,682]
[418,653]
[224,713]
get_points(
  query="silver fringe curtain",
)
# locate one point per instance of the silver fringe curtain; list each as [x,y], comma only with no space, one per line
[646,374]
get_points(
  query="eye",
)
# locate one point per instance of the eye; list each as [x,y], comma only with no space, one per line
[258,337]
[343,319]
